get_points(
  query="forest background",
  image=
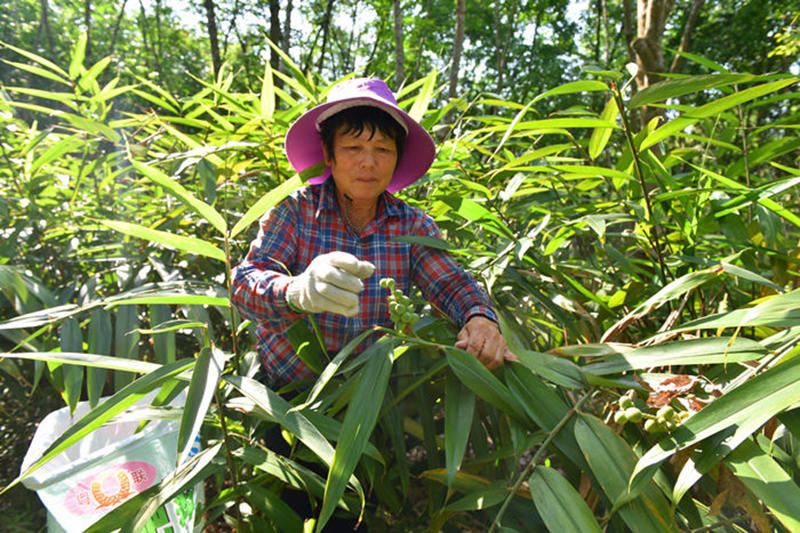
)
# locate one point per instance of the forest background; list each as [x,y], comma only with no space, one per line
[637,228]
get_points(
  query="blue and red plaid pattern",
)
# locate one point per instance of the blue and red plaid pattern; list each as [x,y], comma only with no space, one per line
[307,224]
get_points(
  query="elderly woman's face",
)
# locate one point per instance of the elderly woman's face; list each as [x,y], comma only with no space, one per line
[362,165]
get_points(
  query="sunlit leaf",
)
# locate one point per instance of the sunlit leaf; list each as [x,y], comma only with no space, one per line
[756,400]
[459,408]
[186,244]
[560,505]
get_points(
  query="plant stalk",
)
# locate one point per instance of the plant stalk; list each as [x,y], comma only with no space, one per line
[652,235]
[535,460]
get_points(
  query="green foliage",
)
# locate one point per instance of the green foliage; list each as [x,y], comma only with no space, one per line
[659,265]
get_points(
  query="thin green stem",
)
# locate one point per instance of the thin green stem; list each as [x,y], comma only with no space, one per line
[652,235]
[535,460]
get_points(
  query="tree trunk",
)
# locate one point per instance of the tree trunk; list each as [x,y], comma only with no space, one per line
[44,26]
[458,46]
[688,29]
[87,21]
[423,37]
[287,25]
[501,45]
[399,55]
[116,27]
[274,31]
[627,29]
[326,23]
[211,24]
[648,46]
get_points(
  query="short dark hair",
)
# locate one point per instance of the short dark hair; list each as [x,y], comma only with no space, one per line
[355,119]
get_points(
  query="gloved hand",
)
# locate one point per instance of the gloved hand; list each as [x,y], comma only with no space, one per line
[331,283]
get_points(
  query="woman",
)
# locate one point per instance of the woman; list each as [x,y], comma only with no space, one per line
[324,249]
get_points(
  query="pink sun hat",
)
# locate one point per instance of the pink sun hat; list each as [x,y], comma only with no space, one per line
[304,143]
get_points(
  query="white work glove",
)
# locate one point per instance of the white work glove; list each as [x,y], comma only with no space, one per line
[331,283]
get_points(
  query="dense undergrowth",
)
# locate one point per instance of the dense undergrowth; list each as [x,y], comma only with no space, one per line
[633,270]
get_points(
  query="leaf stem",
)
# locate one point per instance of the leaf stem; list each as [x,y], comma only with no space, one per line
[535,460]
[652,235]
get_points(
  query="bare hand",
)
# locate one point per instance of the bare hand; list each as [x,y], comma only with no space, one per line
[482,338]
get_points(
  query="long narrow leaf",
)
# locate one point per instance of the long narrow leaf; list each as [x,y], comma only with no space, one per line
[199,206]
[459,408]
[754,401]
[106,411]
[769,482]
[612,460]
[560,505]
[205,380]
[186,244]
[362,413]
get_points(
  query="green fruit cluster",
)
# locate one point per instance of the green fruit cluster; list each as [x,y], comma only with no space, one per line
[666,419]
[401,310]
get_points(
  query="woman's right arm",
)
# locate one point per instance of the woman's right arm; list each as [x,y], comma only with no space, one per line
[260,281]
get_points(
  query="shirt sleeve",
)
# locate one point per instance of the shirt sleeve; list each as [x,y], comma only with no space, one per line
[444,282]
[260,281]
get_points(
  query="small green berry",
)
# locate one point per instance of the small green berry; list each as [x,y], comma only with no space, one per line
[625,402]
[653,426]
[667,412]
[620,418]
[634,414]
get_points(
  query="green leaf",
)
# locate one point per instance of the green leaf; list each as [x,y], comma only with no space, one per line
[768,481]
[271,506]
[362,413]
[700,60]
[90,75]
[199,206]
[99,343]
[133,515]
[474,375]
[78,55]
[164,347]
[459,409]
[560,505]
[781,310]
[483,498]
[38,71]
[72,341]
[423,99]
[88,360]
[545,407]
[186,244]
[666,89]
[266,202]
[713,350]
[754,401]
[611,461]
[38,59]
[421,240]
[56,151]
[333,367]
[205,380]
[267,100]
[600,136]
[307,346]
[554,369]
[168,298]
[713,108]
[106,411]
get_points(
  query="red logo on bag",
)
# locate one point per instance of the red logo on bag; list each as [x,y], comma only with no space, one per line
[107,488]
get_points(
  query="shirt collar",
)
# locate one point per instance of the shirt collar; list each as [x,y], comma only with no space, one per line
[388,205]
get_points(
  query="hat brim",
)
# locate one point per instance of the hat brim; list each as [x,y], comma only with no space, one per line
[304,145]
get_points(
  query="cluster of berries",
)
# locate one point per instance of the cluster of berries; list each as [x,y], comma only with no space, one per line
[401,310]
[666,419]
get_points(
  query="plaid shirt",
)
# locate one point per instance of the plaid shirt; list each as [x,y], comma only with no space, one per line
[307,224]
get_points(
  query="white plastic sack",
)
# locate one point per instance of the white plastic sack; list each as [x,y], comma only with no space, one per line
[105,469]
